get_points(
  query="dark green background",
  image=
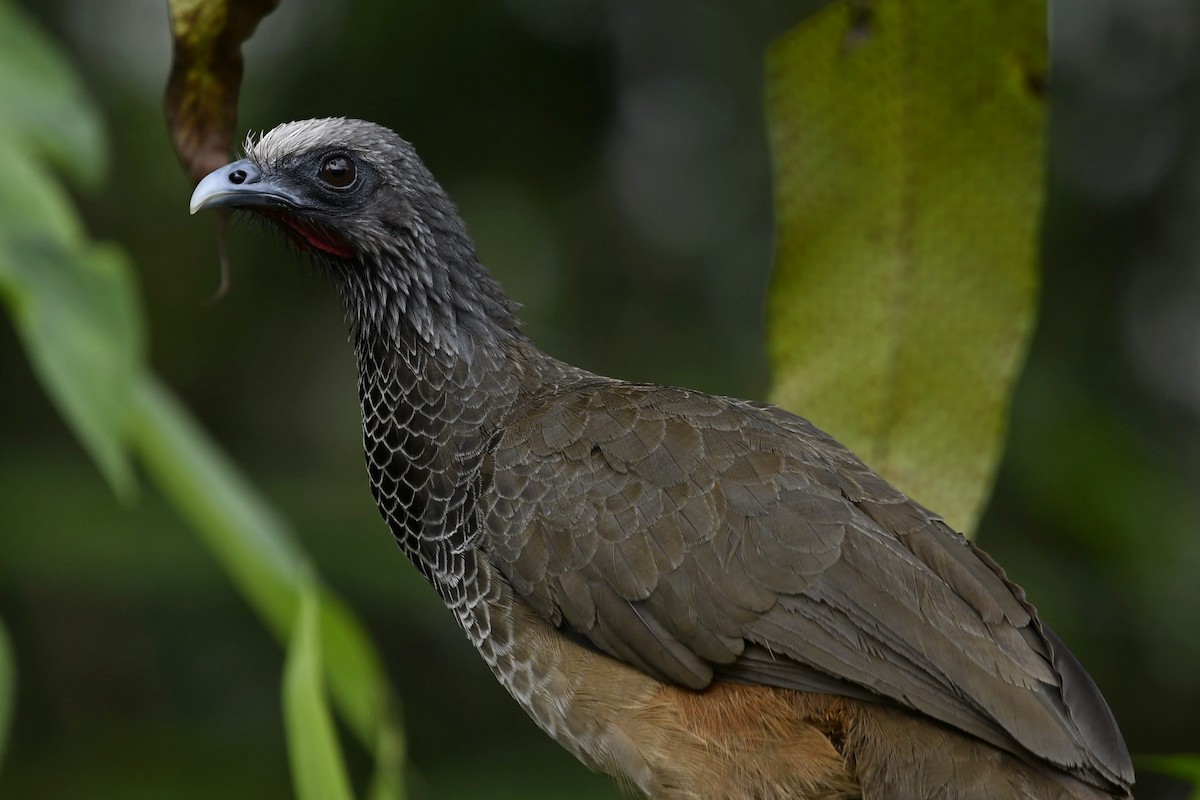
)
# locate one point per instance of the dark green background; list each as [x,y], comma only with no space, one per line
[610,160]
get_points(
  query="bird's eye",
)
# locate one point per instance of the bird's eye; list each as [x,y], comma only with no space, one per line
[338,172]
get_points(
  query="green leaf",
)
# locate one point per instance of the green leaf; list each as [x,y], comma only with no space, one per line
[1184,767]
[907,139]
[74,304]
[318,769]
[8,688]
[258,551]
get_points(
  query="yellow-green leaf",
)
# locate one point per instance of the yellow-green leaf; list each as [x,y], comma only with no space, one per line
[318,770]
[907,139]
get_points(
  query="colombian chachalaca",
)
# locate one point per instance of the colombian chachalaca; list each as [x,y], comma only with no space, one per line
[701,596]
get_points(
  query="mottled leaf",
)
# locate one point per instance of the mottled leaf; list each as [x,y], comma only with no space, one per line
[206,73]
[318,770]
[907,138]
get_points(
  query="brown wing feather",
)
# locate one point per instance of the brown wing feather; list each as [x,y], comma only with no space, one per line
[684,533]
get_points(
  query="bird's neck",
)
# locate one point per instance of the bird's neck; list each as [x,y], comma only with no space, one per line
[424,284]
[436,379]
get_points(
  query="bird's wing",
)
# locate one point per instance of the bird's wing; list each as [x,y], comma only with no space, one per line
[691,535]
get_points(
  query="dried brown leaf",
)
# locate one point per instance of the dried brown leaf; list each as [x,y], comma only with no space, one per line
[201,100]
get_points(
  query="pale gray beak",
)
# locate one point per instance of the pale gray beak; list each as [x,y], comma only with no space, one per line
[240,184]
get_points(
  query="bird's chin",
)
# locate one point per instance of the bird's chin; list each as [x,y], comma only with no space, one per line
[311,236]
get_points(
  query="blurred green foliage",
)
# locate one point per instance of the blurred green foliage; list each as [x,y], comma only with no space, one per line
[260,555]
[8,688]
[1186,768]
[610,161]
[74,305]
[72,301]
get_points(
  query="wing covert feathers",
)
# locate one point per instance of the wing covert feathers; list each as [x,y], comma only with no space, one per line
[686,534]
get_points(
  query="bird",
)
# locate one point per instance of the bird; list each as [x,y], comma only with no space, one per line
[700,596]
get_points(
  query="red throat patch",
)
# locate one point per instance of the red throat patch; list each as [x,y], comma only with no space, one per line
[314,237]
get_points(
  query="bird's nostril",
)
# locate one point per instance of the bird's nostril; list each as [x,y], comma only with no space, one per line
[238,176]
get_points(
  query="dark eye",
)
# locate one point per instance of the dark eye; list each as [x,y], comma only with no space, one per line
[338,172]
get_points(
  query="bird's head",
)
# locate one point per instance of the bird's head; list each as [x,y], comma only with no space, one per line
[356,195]
[341,188]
